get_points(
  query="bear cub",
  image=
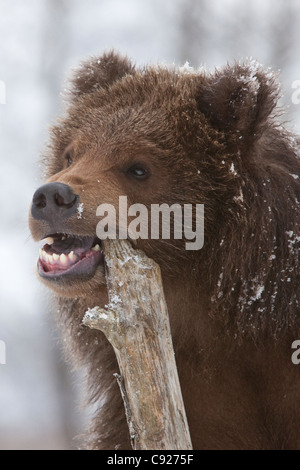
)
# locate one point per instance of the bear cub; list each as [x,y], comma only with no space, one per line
[161,135]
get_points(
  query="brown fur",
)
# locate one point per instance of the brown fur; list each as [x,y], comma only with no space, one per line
[209,139]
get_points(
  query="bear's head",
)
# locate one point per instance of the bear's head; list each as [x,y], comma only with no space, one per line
[152,136]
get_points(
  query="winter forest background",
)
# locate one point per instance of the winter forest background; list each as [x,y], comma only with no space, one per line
[40,41]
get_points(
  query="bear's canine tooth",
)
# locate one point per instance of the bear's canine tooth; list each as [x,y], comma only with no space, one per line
[49,240]
[96,248]
[63,259]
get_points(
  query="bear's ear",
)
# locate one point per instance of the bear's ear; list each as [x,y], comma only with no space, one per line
[239,98]
[100,72]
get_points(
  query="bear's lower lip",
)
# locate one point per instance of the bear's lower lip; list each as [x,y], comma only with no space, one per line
[69,256]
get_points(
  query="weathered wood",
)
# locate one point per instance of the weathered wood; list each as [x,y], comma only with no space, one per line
[136,323]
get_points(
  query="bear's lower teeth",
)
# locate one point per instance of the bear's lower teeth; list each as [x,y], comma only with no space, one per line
[59,260]
[63,260]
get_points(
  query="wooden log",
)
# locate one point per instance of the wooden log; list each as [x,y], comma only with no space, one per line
[136,323]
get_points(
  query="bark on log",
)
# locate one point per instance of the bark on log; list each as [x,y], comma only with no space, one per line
[136,323]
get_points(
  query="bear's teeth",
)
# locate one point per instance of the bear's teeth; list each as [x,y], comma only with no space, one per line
[49,240]
[72,256]
[62,259]
[50,259]
[96,248]
[46,258]
[43,255]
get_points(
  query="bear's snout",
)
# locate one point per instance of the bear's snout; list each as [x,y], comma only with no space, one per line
[54,202]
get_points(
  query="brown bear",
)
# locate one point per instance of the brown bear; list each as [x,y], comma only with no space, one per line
[173,135]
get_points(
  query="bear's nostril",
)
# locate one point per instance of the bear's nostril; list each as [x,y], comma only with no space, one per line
[59,200]
[40,201]
[63,201]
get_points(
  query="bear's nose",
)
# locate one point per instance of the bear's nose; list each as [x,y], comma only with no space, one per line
[54,201]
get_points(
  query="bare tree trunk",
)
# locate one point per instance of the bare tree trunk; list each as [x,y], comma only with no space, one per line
[137,325]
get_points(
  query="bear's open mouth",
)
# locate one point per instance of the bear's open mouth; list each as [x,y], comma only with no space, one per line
[65,254]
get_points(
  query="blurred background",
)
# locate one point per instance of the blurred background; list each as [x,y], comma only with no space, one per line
[40,42]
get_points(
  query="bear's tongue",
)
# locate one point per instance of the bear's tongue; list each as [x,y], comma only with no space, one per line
[62,251]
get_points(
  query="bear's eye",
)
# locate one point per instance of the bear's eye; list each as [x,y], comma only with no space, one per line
[138,172]
[68,159]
